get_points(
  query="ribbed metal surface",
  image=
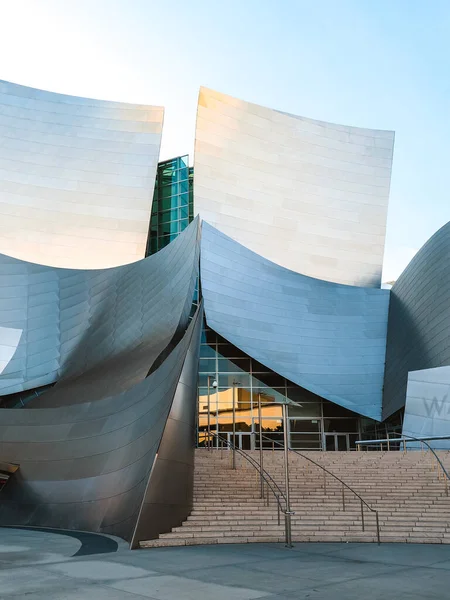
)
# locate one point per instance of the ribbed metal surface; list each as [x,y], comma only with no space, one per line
[419,319]
[76,177]
[77,322]
[87,466]
[309,195]
[325,337]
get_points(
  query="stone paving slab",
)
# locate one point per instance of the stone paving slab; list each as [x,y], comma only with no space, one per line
[37,565]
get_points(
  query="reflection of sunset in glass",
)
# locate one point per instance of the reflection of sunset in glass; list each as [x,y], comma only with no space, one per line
[221,408]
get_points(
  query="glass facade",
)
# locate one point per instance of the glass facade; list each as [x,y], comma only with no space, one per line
[254,390]
[172,208]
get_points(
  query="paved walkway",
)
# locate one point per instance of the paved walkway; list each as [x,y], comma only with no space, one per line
[36,565]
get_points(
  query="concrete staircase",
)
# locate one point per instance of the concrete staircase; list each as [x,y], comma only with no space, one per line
[407,490]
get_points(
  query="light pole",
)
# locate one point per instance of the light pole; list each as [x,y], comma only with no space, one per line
[214,384]
[235,383]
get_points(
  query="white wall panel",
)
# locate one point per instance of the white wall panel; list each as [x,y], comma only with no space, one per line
[76,178]
[308,195]
[427,410]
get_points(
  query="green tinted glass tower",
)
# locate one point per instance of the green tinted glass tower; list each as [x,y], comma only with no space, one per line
[173,207]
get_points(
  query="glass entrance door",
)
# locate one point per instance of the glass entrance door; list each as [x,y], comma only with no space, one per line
[337,441]
[244,441]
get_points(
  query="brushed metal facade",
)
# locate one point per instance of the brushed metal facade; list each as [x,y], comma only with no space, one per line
[328,338]
[419,319]
[169,495]
[75,322]
[427,409]
[308,195]
[87,466]
[76,178]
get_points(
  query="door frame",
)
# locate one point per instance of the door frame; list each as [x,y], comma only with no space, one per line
[336,443]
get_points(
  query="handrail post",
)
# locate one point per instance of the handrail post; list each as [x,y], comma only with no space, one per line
[288,530]
[362,515]
[286,479]
[378,527]
[234,427]
[278,505]
[343,497]
[388,445]
[261,457]
[324,483]
[209,416]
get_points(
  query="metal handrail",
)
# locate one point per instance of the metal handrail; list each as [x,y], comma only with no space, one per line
[363,502]
[410,438]
[271,484]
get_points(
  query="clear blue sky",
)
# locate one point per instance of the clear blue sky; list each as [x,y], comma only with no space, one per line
[371,63]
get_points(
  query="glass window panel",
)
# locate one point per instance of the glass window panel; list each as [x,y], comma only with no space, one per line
[304,425]
[243,423]
[221,340]
[233,365]
[166,191]
[167,169]
[300,395]
[211,337]
[207,365]
[257,367]
[182,200]
[271,441]
[224,399]
[267,394]
[334,410]
[183,173]
[184,186]
[203,379]
[241,379]
[305,441]
[168,228]
[183,224]
[169,215]
[183,212]
[207,352]
[307,409]
[268,410]
[271,380]
[352,439]
[167,203]
[340,425]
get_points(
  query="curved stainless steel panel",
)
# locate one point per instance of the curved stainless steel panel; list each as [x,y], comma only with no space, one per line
[419,319]
[310,196]
[86,466]
[325,337]
[87,322]
[169,495]
[76,177]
